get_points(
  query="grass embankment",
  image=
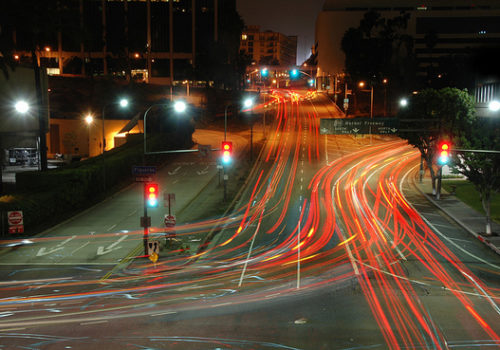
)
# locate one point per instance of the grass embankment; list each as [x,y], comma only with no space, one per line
[466,192]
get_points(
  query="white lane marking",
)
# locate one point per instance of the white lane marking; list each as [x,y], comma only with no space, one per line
[111,227]
[250,249]
[460,240]
[132,213]
[113,246]
[43,251]
[203,172]
[93,322]
[272,295]
[11,329]
[80,247]
[164,313]
[175,171]
[493,304]
[223,304]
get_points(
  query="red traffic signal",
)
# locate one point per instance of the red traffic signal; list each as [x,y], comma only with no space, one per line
[151,194]
[444,153]
[227,151]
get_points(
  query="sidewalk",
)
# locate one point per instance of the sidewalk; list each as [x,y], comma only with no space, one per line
[468,218]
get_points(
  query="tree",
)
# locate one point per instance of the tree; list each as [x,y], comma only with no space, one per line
[433,115]
[481,168]
[380,48]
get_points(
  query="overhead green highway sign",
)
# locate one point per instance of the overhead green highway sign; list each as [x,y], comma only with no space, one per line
[358,126]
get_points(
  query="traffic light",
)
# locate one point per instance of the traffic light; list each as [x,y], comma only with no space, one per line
[227,151]
[151,194]
[444,153]
[264,72]
[294,73]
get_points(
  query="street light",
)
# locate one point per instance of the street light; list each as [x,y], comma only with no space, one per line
[122,103]
[179,107]
[494,106]
[22,107]
[362,84]
[89,119]
[385,81]
[403,102]
[248,103]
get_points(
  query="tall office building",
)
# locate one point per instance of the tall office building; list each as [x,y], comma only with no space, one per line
[269,48]
[157,41]
[439,27]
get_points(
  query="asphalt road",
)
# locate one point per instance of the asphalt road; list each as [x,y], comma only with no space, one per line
[330,246]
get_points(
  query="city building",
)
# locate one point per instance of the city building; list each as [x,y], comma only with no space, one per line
[439,27]
[156,41]
[269,48]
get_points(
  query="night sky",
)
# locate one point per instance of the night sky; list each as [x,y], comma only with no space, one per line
[290,17]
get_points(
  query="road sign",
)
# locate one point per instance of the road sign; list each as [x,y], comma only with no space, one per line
[153,257]
[15,217]
[355,126]
[16,229]
[15,221]
[153,250]
[169,220]
[143,170]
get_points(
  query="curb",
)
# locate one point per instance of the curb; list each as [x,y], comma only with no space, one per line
[460,223]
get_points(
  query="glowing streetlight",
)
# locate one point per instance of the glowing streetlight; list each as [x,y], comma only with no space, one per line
[403,102]
[22,107]
[248,103]
[123,102]
[494,106]
[361,84]
[89,119]
[180,106]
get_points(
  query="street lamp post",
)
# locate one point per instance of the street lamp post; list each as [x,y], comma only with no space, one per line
[385,81]
[225,120]
[22,107]
[123,103]
[179,107]
[89,119]
[248,103]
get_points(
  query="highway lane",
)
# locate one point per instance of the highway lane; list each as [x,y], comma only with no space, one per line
[322,241]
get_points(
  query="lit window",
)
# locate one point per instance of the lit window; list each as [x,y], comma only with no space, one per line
[243,37]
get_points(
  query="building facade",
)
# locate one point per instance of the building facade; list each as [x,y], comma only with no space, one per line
[439,27]
[269,48]
[155,41]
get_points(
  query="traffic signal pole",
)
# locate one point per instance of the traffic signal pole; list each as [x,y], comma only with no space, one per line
[438,190]
[145,236]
